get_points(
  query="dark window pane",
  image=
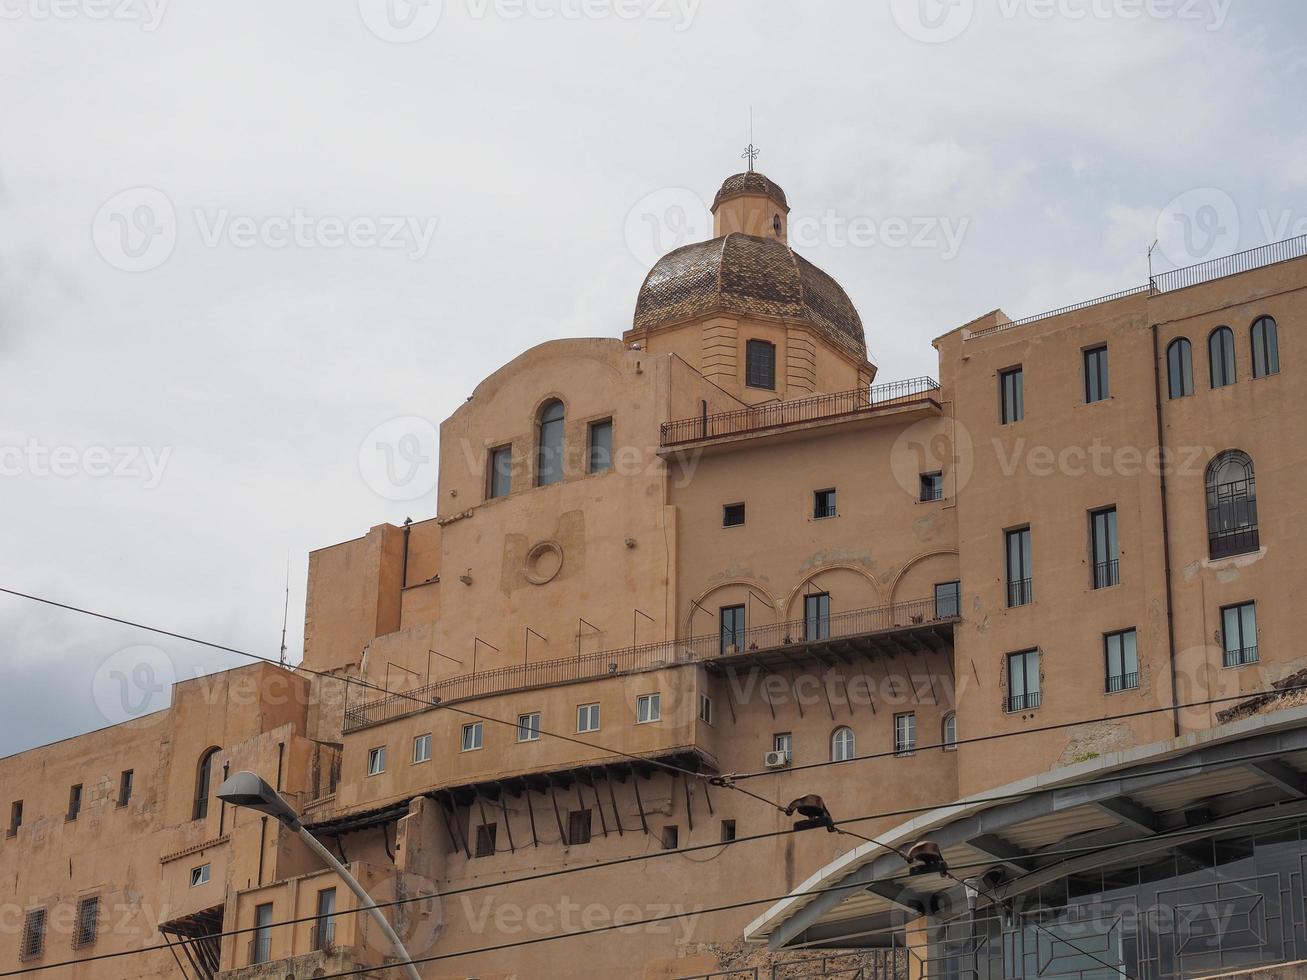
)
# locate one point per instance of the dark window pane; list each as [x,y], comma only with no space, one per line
[1220,348]
[601,446]
[1012,395]
[932,486]
[760,364]
[823,504]
[948,600]
[732,629]
[1180,368]
[550,459]
[816,616]
[501,471]
[1096,384]
[732,515]
[1266,347]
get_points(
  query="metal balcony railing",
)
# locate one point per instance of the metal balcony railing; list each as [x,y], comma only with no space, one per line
[1107,574]
[1021,592]
[1122,682]
[1244,655]
[1022,702]
[260,950]
[324,934]
[1229,265]
[649,656]
[774,415]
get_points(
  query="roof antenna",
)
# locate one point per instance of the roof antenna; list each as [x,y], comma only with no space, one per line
[285,616]
[1151,248]
[750,152]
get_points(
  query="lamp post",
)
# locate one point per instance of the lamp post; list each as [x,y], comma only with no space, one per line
[245,789]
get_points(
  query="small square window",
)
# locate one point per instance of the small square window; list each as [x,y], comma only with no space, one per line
[422,748]
[587,718]
[472,736]
[578,827]
[200,875]
[15,817]
[932,487]
[705,708]
[823,503]
[377,760]
[733,515]
[486,834]
[648,707]
[126,781]
[728,831]
[501,472]
[528,727]
[671,838]
[74,802]
[783,742]
[760,364]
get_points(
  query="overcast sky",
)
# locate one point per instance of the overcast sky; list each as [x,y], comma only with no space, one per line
[236,238]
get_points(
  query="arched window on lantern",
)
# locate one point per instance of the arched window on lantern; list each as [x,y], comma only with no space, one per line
[549,466]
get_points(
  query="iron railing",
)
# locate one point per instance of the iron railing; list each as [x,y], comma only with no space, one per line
[324,934]
[649,656]
[1122,682]
[1097,301]
[865,964]
[1022,702]
[1020,592]
[1229,265]
[260,950]
[1244,655]
[774,415]
[1107,574]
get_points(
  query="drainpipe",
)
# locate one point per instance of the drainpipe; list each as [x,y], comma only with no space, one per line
[1166,528]
[403,574]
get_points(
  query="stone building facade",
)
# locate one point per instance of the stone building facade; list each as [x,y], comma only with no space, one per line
[720,546]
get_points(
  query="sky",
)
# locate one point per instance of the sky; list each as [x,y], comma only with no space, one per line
[252,253]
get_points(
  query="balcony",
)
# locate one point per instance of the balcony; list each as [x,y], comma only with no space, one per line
[1241,657]
[916,626]
[1122,682]
[1020,592]
[1021,702]
[1107,574]
[838,406]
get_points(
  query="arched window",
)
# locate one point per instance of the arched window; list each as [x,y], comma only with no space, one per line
[203,784]
[950,733]
[550,457]
[1266,347]
[841,745]
[1180,367]
[1231,505]
[1220,350]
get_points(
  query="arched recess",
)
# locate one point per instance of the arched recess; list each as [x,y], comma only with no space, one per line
[919,576]
[850,585]
[204,786]
[761,606]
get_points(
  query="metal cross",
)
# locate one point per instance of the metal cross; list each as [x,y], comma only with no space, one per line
[750,153]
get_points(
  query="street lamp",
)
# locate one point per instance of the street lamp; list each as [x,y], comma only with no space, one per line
[245,789]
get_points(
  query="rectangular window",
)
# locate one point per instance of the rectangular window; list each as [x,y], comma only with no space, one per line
[324,930]
[732,515]
[1020,578]
[528,727]
[472,736]
[1023,681]
[601,446]
[501,471]
[587,718]
[15,817]
[87,924]
[948,600]
[1104,552]
[200,875]
[671,838]
[783,742]
[1122,652]
[760,364]
[1239,634]
[125,782]
[486,834]
[728,831]
[823,503]
[33,944]
[816,616]
[732,629]
[648,707]
[905,733]
[705,708]
[74,802]
[932,487]
[1096,386]
[377,760]
[422,748]
[1012,396]
[578,827]
[261,944]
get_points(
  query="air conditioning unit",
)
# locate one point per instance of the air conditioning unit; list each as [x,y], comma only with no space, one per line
[777,760]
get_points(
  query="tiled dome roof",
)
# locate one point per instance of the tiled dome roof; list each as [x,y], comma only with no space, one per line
[746,275]
[750,183]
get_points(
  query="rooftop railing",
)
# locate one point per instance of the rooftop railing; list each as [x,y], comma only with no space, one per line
[1230,265]
[816,408]
[649,656]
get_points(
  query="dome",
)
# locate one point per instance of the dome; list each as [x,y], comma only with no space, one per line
[748,276]
[750,183]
